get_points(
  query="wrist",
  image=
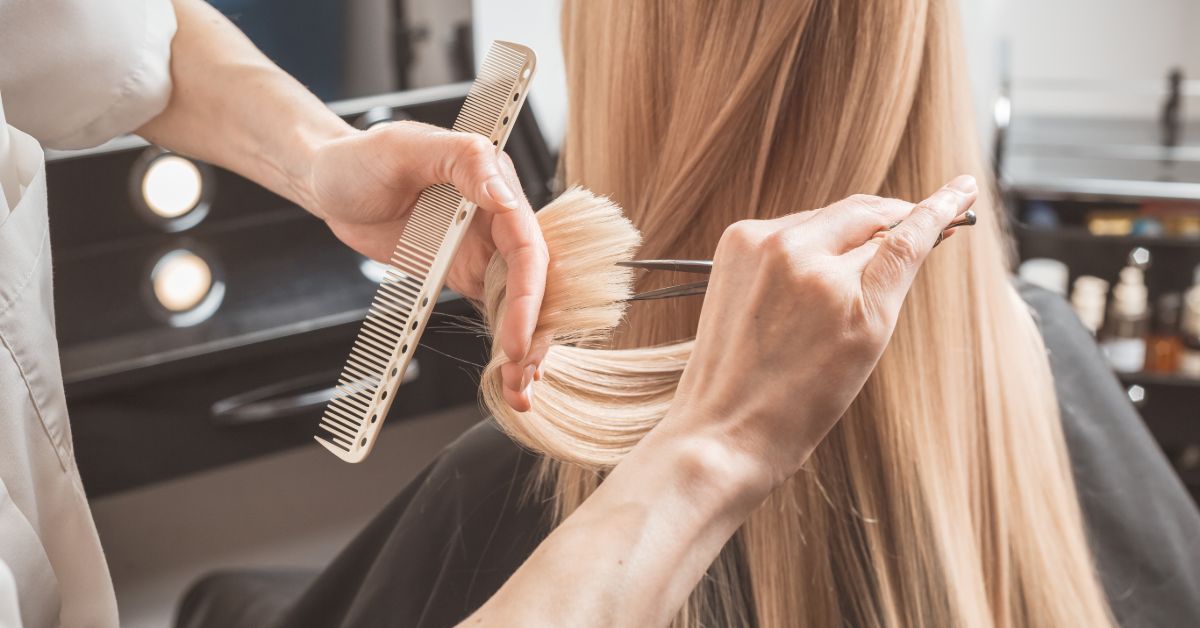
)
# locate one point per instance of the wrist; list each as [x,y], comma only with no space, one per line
[300,166]
[710,467]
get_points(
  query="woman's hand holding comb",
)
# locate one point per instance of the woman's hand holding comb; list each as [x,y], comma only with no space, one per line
[233,107]
[364,185]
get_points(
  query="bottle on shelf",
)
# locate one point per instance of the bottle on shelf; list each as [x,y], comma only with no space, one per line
[1189,331]
[1163,343]
[1089,299]
[1047,273]
[1124,337]
[1111,222]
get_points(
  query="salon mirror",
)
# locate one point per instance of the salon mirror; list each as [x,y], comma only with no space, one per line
[344,49]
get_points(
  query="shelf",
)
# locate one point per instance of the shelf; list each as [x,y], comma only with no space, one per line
[1082,235]
[1144,378]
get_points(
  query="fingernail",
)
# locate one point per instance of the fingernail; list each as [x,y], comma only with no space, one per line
[964,183]
[538,374]
[527,378]
[502,192]
[529,395]
[539,352]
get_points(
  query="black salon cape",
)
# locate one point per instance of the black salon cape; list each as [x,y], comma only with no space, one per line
[457,532]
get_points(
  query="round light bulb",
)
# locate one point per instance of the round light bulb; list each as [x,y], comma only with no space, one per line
[172,186]
[181,280]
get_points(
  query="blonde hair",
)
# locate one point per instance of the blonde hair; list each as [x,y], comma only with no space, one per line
[944,496]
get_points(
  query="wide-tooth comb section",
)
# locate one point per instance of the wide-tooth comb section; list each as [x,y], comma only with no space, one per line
[417,270]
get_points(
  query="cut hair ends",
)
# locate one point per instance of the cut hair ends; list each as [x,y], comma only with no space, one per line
[593,404]
[944,496]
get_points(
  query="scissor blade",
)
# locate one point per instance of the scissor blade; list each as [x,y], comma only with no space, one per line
[682,290]
[680,265]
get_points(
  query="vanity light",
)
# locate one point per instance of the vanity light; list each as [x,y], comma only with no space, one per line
[171,186]
[171,191]
[186,288]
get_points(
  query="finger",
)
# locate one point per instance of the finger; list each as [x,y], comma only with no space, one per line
[858,258]
[846,224]
[515,393]
[537,354]
[469,161]
[518,239]
[472,164]
[519,401]
[898,255]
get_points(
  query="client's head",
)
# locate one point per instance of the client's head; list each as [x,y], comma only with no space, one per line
[944,496]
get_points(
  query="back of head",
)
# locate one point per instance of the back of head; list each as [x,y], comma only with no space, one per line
[944,496]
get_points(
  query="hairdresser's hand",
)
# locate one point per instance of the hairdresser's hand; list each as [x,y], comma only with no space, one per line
[797,314]
[365,183]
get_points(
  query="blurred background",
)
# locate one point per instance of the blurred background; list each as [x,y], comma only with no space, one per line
[196,382]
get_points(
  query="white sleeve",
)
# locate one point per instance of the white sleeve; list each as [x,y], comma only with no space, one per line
[10,611]
[76,73]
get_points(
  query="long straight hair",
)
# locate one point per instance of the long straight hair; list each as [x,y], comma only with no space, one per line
[944,496]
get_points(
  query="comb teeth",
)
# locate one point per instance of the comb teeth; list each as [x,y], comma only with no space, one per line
[489,96]
[418,267]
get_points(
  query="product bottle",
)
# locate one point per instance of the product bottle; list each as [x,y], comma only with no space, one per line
[1162,345]
[1089,299]
[1124,339]
[1043,272]
[1189,328]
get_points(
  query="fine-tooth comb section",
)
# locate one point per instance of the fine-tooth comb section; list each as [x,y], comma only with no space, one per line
[404,301]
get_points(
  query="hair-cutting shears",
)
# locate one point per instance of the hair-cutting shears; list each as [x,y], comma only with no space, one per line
[704,267]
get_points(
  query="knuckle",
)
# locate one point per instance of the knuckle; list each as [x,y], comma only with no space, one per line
[739,237]
[397,130]
[476,147]
[866,202]
[412,126]
[777,243]
[904,247]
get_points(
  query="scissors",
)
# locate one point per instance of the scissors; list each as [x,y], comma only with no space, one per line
[704,267]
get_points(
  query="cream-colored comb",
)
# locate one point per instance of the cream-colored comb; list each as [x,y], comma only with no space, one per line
[402,305]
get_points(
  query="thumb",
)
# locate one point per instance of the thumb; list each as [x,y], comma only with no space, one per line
[468,161]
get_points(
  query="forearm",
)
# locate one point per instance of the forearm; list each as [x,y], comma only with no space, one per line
[631,554]
[233,107]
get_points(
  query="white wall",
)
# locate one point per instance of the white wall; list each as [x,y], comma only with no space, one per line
[1046,40]
[1118,40]
[982,30]
[535,24]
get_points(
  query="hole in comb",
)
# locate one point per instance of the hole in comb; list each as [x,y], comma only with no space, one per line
[383,396]
[525,74]
[396,371]
[515,96]
[495,142]
[362,443]
[404,349]
[414,325]
[462,215]
[504,121]
[424,301]
[374,418]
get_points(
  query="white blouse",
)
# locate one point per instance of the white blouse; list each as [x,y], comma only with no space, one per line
[73,73]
